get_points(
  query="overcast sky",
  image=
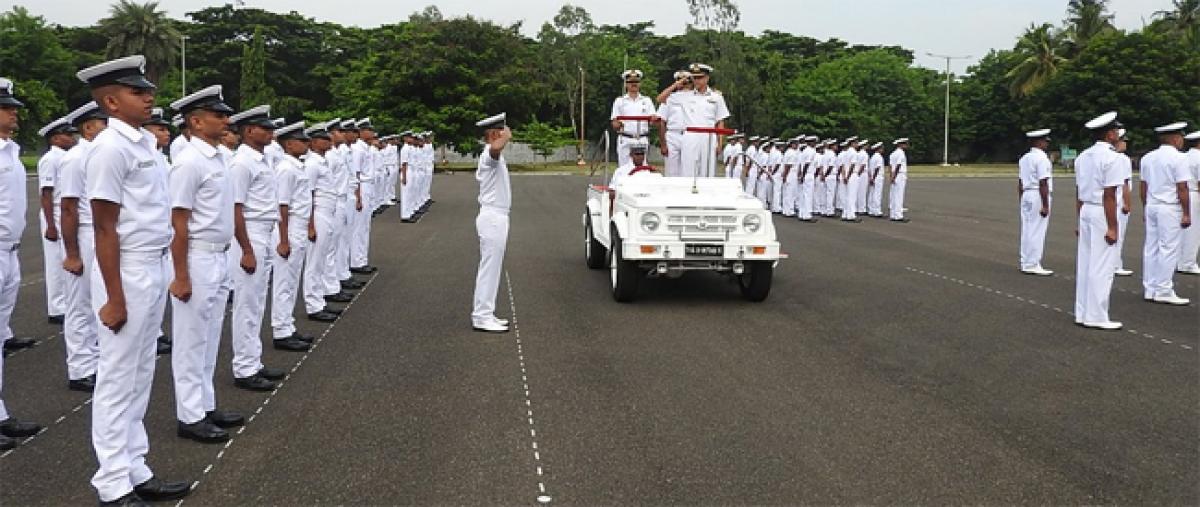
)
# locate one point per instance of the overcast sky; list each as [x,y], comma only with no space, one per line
[954,27]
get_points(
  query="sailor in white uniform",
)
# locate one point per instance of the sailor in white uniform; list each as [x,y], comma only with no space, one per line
[732,157]
[670,115]
[875,181]
[702,107]
[495,200]
[807,180]
[1124,202]
[898,176]
[637,161]
[318,288]
[750,166]
[1034,186]
[363,161]
[790,178]
[1097,180]
[632,103]
[1164,191]
[1190,248]
[127,187]
[59,137]
[856,162]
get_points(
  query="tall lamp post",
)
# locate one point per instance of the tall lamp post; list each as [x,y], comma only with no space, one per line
[582,138]
[946,140]
[183,64]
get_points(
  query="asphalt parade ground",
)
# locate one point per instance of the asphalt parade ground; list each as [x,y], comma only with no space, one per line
[894,363]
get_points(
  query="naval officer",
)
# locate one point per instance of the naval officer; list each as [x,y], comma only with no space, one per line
[1097,179]
[632,103]
[1191,236]
[1164,192]
[127,187]
[1034,185]
[898,176]
[59,137]
[495,200]
[702,107]
[1124,201]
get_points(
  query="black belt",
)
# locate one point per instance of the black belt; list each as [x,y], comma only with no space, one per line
[631,136]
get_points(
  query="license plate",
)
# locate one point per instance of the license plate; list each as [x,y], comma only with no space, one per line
[704,250]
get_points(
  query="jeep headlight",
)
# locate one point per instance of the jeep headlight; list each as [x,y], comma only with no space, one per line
[752,223]
[650,222]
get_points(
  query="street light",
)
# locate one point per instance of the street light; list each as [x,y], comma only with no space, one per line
[946,140]
[183,62]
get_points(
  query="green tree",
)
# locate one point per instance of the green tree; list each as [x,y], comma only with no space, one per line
[1038,59]
[142,29]
[1183,20]
[32,56]
[543,138]
[987,119]
[1086,19]
[254,88]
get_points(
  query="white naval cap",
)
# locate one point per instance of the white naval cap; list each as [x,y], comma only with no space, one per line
[59,126]
[851,139]
[177,120]
[638,147]
[364,123]
[279,122]
[902,140]
[1194,136]
[877,145]
[632,73]
[700,68]
[350,124]
[680,74]
[493,122]
[129,71]
[157,117]
[1038,134]
[1121,133]
[6,94]
[209,99]
[89,110]
[318,131]
[293,131]
[1105,121]
[1177,127]
[863,141]
[257,115]
[812,139]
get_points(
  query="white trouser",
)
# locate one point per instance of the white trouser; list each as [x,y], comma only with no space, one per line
[316,283]
[52,257]
[733,171]
[831,185]
[697,155]
[407,194]
[790,187]
[623,148]
[860,205]
[250,300]
[896,198]
[1190,246]
[752,180]
[125,373]
[763,189]
[777,191]
[673,163]
[875,199]
[818,197]
[79,323]
[286,279]
[1033,229]
[850,199]
[10,284]
[196,334]
[345,236]
[1095,262]
[360,244]
[1161,252]
[492,226]
[330,269]
[1123,229]
[804,198]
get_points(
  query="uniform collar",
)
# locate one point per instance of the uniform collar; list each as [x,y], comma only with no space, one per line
[631,97]
[56,149]
[1036,149]
[253,153]
[208,150]
[4,144]
[134,135]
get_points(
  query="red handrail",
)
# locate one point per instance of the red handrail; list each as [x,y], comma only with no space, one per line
[635,118]
[712,130]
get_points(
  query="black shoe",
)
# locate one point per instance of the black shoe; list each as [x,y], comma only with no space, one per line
[84,385]
[294,345]
[364,270]
[224,419]
[254,383]
[300,337]
[13,428]
[333,311]
[157,490]
[351,284]
[321,316]
[271,373]
[19,343]
[202,431]
[162,348]
[129,500]
[340,297]
[55,319]
[7,443]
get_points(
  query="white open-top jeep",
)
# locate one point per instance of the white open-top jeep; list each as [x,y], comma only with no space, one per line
[652,226]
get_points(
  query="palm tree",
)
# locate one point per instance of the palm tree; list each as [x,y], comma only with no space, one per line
[1038,59]
[142,29]
[1184,20]
[1086,19]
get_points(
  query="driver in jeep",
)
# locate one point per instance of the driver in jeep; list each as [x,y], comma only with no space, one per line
[637,165]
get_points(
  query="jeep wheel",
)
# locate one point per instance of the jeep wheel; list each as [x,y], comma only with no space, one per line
[756,281]
[624,273]
[593,251]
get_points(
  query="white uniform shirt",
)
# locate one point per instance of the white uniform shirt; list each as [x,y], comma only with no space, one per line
[360,164]
[860,161]
[429,156]
[875,165]
[12,192]
[1193,156]
[730,154]
[274,153]
[1033,167]
[844,160]
[626,105]
[125,167]
[177,145]
[494,188]
[1125,165]
[200,182]
[47,170]
[792,157]
[406,155]
[898,162]
[671,111]
[1162,169]
[762,158]
[338,162]
[292,187]
[1096,168]
[751,153]
[805,162]
[72,178]
[320,174]
[254,185]
[702,109]
[773,160]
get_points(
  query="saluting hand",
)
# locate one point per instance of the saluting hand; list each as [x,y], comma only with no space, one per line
[113,316]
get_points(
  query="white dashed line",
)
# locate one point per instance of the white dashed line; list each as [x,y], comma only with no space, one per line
[542,497]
